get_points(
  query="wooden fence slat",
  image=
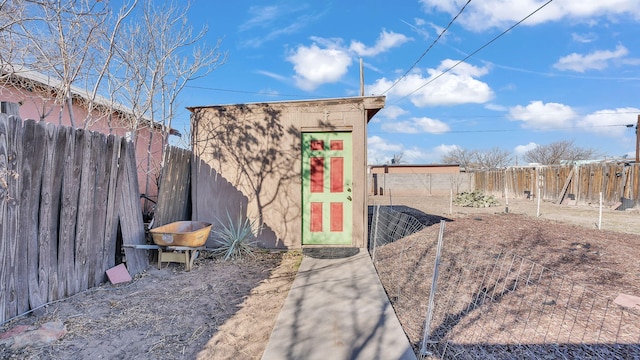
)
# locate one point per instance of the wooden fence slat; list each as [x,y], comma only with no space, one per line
[100,192]
[173,197]
[130,212]
[31,180]
[4,194]
[635,182]
[52,184]
[111,209]
[69,213]
[47,227]
[565,187]
[85,209]
[47,212]
[14,247]
[27,241]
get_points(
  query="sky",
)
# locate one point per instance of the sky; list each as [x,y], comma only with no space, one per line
[570,71]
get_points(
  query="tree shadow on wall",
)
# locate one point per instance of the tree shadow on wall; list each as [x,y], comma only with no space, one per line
[253,151]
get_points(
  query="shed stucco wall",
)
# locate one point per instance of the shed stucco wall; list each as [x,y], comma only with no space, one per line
[256,148]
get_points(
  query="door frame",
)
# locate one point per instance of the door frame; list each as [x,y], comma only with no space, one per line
[305,198]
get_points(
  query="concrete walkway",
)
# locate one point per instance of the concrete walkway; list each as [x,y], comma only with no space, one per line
[337,309]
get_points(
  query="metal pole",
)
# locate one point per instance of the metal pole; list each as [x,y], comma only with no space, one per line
[638,141]
[432,293]
[600,216]
[375,234]
[361,78]
[506,192]
[539,194]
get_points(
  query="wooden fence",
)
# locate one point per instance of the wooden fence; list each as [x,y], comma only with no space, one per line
[174,194]
[64,195]
[618,182]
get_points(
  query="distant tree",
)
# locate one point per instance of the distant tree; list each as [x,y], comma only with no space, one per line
[461,156]
[493,158]
[558,151]
[478,159]
[137,53]
[396,159]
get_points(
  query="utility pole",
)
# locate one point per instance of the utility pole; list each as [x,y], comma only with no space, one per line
[638,141]
[362,80]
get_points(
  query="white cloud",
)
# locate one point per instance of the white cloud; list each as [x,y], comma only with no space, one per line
[315,66]
[379,150]
[392,112]
[522,149]
[461,69]
[272,75]
[386,41]
[486,14]
[584,38]
[458,86]
[273,21]
[261,16]
[445,149]
[417,27]
[417,126]
[418,156]
[597,60]
[540,116]
[610,122]
[381,144]
[496,107]
[327,60]
[431,156]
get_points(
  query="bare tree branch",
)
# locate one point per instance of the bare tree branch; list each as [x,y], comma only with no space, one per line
[556,152]
[493,158]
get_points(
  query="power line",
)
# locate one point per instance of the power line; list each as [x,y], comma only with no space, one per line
[514,130]
[251,92]
[476,51]
[471,116]
[428,49]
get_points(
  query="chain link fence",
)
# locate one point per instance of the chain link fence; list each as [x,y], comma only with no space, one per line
[492,304]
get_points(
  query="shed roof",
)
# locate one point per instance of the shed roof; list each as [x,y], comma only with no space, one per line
[371,104]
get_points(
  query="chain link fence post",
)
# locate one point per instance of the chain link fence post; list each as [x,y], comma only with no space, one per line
[432,293]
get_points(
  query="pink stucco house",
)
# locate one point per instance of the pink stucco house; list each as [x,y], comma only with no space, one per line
[36,95]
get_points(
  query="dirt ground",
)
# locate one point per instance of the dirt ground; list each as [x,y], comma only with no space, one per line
[227,310]
[564,241]
[218,310]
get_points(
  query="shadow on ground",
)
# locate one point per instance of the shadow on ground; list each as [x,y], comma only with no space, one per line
[330,252]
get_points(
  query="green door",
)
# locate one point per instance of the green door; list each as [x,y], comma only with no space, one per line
[326,188]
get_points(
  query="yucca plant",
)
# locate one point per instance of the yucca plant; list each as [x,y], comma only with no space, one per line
[236,238]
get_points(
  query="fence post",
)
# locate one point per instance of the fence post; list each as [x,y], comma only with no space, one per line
[600,214]
[539,192]
[375,233]
[432,293]
[506,192]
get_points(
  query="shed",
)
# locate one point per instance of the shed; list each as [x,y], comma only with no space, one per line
[298,168]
